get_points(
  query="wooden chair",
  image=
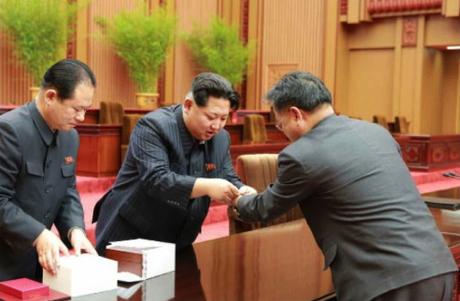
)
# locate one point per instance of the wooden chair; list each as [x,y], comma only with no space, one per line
[259,171]
[401,125]
[129,122]
[379,119]
[111,113]
[254,130]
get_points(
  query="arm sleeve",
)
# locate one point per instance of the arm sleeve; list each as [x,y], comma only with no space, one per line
[293,185]
[151,157]
[229,171]
[70,213]
[17,228]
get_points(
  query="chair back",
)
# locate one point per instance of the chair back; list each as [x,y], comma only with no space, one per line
[258,171]
[254,130]
[111,113]
[129,122]
[401,125]
[379,119]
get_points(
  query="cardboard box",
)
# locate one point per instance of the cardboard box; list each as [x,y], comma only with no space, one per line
[143,258]
[83,275]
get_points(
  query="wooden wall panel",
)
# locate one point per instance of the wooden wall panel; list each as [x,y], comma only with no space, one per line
[289,36]
[442,31]
[113,82]
[406,104]
[450,92]
[380,35]
[340,89]
[198,12]
[15,81]
[431,102]
[364,82]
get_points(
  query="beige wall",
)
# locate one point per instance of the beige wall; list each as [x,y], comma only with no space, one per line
[450,93]
[190,13]
[377,73]
[370,89]
[366,65]
[14,78]
[289,36]
[113,82]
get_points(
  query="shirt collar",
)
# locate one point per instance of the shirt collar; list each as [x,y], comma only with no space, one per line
[188,141]
[47,135]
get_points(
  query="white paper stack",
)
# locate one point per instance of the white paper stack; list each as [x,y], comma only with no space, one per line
[143,258]
[83,275]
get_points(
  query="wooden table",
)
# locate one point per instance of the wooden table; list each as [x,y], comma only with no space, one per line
[281,262]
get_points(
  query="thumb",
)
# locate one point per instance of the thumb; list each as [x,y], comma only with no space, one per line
[63,249]
[235,190]
[90,249]
[77,249]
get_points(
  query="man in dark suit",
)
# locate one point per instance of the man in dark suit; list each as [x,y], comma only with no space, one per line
[177,161]
[38,149]
[358,198]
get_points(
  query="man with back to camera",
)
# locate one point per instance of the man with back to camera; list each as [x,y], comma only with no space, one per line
[177,161]
[38,150]
[358,198]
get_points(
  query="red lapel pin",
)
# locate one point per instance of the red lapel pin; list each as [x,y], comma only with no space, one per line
[68,160]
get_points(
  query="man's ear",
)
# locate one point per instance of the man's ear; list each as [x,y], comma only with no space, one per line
[295,113]
[188,103]
[50,96]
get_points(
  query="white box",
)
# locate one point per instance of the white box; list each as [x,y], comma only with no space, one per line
[159,288]
[142,257]
[83,275]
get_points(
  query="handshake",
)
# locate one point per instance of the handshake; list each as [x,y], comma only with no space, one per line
[225,192]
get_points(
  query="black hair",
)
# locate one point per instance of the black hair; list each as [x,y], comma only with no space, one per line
[300,89]
[66,75]
[210,84]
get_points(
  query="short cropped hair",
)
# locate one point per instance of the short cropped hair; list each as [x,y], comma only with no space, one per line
[300,89]
[66,75]
[210,84]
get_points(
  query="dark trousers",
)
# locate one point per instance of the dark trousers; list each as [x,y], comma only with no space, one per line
[438,288]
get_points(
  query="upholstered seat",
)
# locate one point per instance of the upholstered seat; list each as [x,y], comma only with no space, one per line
[259,171]
[111,113]
[254,130]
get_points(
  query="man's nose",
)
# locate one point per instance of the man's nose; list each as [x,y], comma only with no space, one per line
[80,116]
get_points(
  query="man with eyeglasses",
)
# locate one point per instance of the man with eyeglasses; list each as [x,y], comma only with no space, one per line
[38,151]
[177,161]
[357,195]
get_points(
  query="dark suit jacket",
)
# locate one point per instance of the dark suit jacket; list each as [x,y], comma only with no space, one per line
[361,204]
[150,198]
[37,187]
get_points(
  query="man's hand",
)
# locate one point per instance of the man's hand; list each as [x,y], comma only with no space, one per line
[48,246]
[244,190]
[79,242]
[222,191]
